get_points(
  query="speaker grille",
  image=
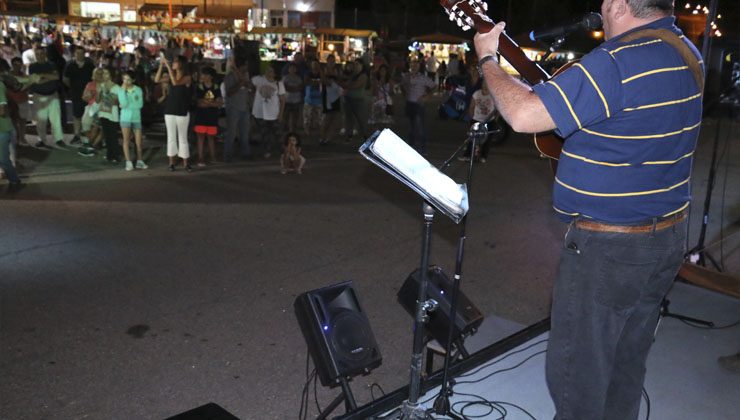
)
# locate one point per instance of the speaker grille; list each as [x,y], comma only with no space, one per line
[350,336]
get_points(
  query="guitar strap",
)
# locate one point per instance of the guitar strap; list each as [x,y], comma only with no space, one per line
[678,44]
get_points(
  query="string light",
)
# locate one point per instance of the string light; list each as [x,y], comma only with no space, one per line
[701,8]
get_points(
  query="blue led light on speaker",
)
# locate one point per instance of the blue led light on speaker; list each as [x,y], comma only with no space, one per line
[326,328]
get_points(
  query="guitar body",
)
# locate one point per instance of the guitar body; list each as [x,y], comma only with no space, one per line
[471,14]
[550,144]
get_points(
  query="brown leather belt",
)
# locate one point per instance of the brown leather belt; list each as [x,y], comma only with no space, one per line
[603,227]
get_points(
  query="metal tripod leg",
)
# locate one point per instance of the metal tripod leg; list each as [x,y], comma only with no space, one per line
[664,312]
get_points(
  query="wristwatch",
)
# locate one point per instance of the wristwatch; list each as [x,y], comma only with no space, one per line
[483,61]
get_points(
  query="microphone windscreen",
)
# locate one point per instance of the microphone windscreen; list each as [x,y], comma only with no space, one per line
[592,21]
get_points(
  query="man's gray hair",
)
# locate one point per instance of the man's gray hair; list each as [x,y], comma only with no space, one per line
[651,8]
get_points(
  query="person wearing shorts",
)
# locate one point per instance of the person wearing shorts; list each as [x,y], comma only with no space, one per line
[90,121]
[208,105]
[131,100]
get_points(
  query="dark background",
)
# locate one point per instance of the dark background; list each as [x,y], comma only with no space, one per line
[406,18]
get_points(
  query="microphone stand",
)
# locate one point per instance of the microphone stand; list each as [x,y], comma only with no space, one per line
[557,43]
[698,254]
[411,409]
[477,133]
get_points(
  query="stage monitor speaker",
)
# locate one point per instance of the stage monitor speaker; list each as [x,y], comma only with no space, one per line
[337,333]
[467,319]
[210,411]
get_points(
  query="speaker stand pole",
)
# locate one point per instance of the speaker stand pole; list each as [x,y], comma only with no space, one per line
[346,396]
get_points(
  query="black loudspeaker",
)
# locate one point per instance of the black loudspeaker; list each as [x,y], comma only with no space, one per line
[467,319]
[210,411]
[337,333]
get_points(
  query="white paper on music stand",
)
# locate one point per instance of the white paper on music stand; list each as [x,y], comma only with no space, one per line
[396,157]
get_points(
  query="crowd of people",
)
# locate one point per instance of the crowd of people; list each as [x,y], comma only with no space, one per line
[114,96]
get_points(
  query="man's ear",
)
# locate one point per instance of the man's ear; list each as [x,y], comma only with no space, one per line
[621,9]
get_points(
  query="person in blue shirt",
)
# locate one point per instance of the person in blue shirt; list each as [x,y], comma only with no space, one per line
[630,113]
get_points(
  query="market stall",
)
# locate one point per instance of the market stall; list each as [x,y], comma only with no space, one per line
[279,43]
[213,38]
[441,45]
[345,43]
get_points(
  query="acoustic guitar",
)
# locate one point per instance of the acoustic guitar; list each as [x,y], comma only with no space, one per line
[471,14]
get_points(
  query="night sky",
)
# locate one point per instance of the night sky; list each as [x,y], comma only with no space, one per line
[415,17]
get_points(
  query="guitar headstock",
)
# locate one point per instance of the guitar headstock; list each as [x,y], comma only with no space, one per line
[468,14]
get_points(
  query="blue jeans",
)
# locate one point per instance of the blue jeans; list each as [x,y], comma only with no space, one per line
[5,163]
[606,303]
[237,122]
[418,134]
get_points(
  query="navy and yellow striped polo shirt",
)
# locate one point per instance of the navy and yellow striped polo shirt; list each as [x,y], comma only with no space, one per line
[630,114]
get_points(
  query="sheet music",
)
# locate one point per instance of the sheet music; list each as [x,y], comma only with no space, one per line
[409,166]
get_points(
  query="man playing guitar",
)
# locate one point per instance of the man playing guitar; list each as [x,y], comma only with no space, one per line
[630,113]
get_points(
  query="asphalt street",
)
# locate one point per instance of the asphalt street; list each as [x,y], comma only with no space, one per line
[140,295]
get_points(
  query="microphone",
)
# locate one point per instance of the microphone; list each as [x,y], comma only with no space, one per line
[591,21]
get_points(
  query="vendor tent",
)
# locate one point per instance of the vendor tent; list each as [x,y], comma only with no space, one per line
[440,38]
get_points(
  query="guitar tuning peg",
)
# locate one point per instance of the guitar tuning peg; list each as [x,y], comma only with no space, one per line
[485,6]
[459,22]
[452,17]
[465,28]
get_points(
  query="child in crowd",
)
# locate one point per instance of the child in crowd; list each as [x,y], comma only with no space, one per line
[482,110]
[209,103]
[131,100]
[109,116]
[90,121]
[291,160]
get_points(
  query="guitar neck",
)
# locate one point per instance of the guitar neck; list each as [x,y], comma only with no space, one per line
[472,14]
[531,71]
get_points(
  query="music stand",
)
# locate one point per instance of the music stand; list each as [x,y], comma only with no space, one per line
[388,151]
